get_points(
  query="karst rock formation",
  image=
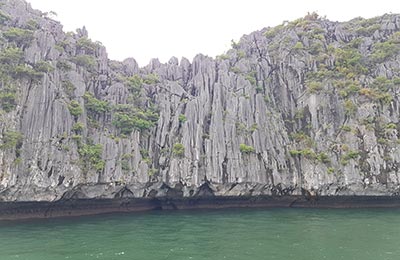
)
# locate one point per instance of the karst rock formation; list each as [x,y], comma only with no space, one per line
[307,106]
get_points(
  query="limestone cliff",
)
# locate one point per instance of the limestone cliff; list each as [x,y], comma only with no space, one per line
[307,106]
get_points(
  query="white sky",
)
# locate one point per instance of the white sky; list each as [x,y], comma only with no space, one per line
[145,29]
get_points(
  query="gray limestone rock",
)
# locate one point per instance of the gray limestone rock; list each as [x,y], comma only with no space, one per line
[286,110]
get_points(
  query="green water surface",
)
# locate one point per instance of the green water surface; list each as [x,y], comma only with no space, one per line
[222,234]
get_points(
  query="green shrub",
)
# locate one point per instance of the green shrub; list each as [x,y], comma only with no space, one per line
[11,140]
[376,95]
[346,128]
[75,108]
[314,86]
[234,44]
[350,108]
[144,153]
[95,105]
[127,122]
[235,70]
[128,117]
[205,136]
[298,46]
[253,128]
[77,138]
[151,79]
[295,152]
[368,31]
[152,171]
[91,155]
[240,127]
[369,93]
[382,141]
[382,83]
[19,36]
[259,89]
[44,66]
[11,56]
[4,18]
[78,127]
[63,65]
[125,165]
[24,71]
[349,62]
[347,87]
[385,98]
[396,81]
[32,25]
[241,54]
[383,51]
[391,126]
[307,153]
[316,48]
[87,45]
[320,75]
[8,99]
[353,88]
[134,84]
[68,87]
[323,158]
[59,48]
[148,115]
[272,32]
[66,148]
[299,136]
[222,57]
[182,118]
[299,114]
[350,155]
[251,77]
[347,57]
[178,150]
[87,61]
[246,149]
[124,122]
[318,34]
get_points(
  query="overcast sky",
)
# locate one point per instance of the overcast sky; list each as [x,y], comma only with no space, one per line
[146,29]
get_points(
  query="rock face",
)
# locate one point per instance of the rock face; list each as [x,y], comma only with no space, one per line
[308,107]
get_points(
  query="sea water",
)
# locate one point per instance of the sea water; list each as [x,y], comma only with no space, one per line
[359,234]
